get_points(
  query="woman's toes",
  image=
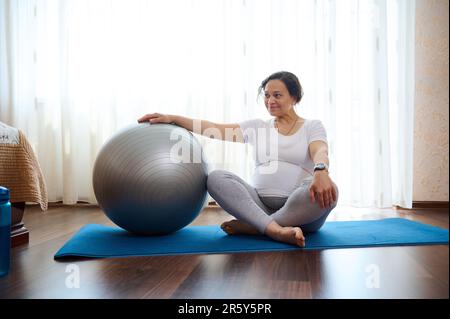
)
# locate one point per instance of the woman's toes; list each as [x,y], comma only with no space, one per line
[226,227]
[299,237]
[301,241]
[225,224]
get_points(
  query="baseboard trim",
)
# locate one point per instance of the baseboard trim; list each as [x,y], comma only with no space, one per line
[415,204]
[427,204]
[212,204]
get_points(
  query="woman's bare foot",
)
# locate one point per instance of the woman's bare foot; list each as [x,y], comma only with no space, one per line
[290,235]
[237,227]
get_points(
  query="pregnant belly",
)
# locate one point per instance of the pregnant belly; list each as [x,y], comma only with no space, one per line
[278,178]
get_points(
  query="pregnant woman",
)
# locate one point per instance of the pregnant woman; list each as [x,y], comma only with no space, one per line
[291,192]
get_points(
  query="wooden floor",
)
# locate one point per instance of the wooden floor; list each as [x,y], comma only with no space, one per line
[404,272]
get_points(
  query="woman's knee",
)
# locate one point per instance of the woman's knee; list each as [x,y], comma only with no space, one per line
[318,223]
[215,180]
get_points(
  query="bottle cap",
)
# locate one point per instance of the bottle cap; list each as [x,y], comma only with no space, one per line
[4,193]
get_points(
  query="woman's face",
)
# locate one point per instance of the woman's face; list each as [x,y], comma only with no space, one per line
[277,99]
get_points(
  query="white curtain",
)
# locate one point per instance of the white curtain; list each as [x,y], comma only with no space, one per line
[72,72]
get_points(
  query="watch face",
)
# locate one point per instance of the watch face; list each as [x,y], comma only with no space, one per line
[319,167]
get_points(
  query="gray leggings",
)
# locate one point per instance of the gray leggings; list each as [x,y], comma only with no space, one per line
[242,201]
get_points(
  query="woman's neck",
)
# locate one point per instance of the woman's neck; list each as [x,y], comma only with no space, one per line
[287,119]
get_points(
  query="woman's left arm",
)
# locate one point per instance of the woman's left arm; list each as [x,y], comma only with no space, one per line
[322,187]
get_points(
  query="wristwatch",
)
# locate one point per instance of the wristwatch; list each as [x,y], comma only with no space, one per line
[320,167]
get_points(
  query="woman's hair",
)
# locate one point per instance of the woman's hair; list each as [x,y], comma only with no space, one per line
[289,79]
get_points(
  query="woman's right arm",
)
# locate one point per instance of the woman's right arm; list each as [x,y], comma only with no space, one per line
[226,132]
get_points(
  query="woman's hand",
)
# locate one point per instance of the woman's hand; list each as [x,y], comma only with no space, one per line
[323,189]
[155,118]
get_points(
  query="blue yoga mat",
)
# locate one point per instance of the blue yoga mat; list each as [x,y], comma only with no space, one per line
[103,241]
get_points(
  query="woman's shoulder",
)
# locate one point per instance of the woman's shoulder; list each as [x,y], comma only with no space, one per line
[315,130]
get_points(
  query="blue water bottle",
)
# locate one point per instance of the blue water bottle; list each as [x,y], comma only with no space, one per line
[5,231]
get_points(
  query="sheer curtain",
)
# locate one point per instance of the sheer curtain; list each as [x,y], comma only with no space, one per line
[72,72]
